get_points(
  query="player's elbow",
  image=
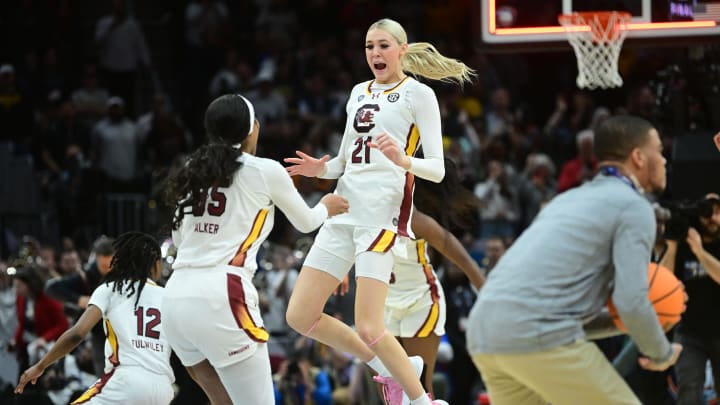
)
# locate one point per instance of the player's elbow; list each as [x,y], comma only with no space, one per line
[438,177]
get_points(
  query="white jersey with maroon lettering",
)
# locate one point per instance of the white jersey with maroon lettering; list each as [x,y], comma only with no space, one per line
[412,276]
[415,303]
[234,221]
[135,335]
[380,192]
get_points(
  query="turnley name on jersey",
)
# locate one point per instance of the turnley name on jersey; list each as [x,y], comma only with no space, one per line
[145,344]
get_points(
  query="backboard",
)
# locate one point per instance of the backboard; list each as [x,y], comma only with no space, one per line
[528,21]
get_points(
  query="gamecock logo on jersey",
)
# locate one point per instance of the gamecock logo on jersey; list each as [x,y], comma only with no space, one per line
[364,118]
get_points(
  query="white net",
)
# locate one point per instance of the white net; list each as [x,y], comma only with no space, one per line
[597,38]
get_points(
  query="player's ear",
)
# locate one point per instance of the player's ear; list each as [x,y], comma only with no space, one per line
[638,158]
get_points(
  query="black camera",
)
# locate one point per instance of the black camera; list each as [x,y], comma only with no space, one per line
[686,214]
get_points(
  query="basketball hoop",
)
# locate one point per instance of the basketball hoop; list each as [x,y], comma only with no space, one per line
[596,37]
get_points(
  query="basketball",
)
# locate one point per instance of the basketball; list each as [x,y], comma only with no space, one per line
[666,293]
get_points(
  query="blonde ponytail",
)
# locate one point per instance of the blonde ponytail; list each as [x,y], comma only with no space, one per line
[422,59]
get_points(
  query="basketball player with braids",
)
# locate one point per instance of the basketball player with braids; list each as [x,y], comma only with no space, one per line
[137,367]
[226,198]
[388,118]
[525,331]
[415,304]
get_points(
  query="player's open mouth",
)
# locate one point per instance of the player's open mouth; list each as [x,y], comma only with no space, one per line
[379,66]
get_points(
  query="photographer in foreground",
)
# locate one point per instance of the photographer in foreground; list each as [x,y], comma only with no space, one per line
[693,256]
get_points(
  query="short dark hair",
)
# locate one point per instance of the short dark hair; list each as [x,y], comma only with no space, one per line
[30,276]
[617,136]
[103,246]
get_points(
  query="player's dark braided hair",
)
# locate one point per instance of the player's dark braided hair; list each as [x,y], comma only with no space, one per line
[227,123]
[448,202]
[135,256]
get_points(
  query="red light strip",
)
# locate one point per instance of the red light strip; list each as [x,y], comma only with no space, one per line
[559,30]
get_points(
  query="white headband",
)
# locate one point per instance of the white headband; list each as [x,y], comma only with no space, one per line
[251,110]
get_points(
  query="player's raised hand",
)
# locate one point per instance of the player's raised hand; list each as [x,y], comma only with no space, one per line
[30,375]
[387,145]
[306,165]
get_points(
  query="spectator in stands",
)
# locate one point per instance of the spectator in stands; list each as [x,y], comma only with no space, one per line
[48,259]
[70,262]
[299,381]
[122,51]
[279,281]
[16,117]
[41,319]
[536,186]
[270,104]
[233,77]
[499,208]
[581,169]
[75,290]
[495,247]
[90,101]
[499,117]
[115,148]
[164,134]
[8,317]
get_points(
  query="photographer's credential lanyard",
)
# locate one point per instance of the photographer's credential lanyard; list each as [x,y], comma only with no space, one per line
[613,171]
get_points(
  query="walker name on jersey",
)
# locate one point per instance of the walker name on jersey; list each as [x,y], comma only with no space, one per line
[206,227]
[144,344]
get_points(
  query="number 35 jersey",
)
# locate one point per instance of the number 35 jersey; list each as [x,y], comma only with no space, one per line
[232,223]
[379,191]
[134,335]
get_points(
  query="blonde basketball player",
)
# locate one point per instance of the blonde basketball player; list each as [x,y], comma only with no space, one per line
[137,366]
[388,119]
[226,198]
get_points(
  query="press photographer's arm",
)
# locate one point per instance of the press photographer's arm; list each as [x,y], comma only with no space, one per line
[708,261]
[668,259]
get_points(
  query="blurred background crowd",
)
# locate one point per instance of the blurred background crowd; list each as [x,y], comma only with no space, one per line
[99,100]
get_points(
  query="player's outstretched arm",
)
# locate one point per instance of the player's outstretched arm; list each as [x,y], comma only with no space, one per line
[286,197]
[448,245]
[64,345]
[306,165]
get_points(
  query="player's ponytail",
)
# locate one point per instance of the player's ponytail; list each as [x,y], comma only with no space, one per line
[134,259]
[229,119]
[422,59]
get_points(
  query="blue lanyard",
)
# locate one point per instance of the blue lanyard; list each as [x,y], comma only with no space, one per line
[613,171]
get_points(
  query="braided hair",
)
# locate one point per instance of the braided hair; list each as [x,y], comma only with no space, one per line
[135,256]
[448,202]
[228,121]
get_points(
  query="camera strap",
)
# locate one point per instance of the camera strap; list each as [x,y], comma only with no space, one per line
[613,171]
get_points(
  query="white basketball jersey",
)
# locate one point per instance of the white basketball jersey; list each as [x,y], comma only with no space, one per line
[232,224]
[412,276]
[135,335]
[379,192]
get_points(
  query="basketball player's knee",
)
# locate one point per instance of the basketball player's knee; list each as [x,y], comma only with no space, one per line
[299,320]
[369,332]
